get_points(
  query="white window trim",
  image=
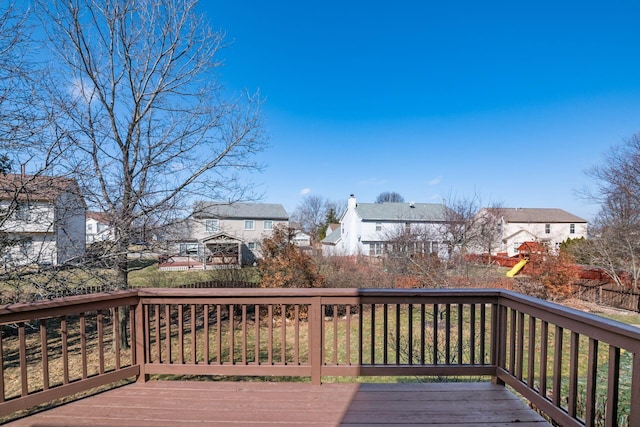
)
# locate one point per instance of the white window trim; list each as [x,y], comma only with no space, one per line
[214,228]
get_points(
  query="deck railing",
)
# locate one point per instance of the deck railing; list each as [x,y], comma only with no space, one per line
[577,368]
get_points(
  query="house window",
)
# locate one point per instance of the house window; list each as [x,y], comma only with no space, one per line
[187,249]
[268,224]
[26,247]
[547,228]
[22,212]
[89,228]
[211,225]
[516,245]
[378,226]
[251,245]
[572,229]
[249,225]
[376,248]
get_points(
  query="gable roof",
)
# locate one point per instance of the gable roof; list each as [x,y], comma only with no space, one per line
[100,217]
[36,188]
[531,247]
[333,237]
[528,215]
[414,212]
[220,236]
[527,232]
[332,227]
[241,211]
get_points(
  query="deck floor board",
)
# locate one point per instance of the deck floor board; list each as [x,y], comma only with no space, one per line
[172,403]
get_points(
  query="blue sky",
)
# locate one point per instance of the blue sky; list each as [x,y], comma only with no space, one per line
[511,101]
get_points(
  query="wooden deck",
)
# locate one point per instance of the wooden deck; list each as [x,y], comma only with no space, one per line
[180,403]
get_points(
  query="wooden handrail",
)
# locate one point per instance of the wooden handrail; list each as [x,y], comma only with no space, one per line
[514,339]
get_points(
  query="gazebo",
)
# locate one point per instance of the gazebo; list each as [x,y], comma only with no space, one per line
[222,250]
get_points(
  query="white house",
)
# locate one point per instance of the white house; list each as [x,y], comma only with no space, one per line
[550,227]
[300,238]
[224,230]
[370,228]
[98,228]
[43,218]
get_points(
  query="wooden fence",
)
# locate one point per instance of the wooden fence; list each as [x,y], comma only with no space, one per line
[609,295]
[577,368]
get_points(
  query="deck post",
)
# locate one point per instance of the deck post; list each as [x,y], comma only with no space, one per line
[315,333]
[498,339]
[634,411]
[139,342]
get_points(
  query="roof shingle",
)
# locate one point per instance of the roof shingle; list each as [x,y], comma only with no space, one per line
[414,212]
[545,215]
[242,211]
[41,188]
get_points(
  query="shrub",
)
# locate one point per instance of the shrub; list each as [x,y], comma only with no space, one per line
[284,265]
[556,273]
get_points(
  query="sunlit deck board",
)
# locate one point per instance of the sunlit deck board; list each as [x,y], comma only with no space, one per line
[172,403]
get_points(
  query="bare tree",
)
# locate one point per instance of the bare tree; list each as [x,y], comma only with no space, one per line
[13,71]
[413,255]
[22,116]
[139,118]
[469,226]
[615,233]
[389,196]
[19,119]
[314,212]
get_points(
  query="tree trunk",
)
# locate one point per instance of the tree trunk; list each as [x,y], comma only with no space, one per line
[122,276]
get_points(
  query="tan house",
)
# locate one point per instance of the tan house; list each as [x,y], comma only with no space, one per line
[42,218]
[228,233]
[548,226]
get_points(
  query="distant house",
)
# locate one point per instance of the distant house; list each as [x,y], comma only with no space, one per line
[550,227]
[43,218]
[331,244]
[219,232]
[371,228]
[300,238]
[99,227]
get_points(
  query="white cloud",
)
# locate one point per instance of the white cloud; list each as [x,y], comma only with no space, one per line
[435,181]
[83,89]
[304,191]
